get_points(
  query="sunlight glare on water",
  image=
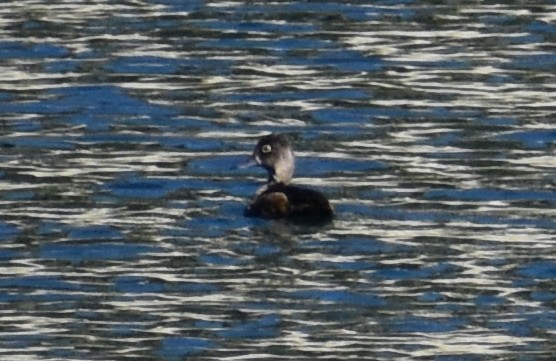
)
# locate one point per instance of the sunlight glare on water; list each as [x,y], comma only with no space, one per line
[429,125]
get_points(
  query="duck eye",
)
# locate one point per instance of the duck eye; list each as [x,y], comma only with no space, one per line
[266,148]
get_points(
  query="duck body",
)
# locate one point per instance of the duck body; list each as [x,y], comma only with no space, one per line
[278,198]
[281,200]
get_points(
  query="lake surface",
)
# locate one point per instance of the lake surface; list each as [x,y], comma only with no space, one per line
[429,124]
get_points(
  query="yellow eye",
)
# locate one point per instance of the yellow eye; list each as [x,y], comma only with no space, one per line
[266,148]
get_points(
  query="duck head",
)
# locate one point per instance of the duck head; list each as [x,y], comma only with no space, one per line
[274,153]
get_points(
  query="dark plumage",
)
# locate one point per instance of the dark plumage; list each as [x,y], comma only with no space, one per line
[279,199]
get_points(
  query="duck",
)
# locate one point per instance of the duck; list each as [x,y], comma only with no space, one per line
[278,198]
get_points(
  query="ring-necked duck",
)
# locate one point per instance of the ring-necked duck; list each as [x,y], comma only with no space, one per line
[279,199]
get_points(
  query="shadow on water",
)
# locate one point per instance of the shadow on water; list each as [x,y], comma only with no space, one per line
[428,125]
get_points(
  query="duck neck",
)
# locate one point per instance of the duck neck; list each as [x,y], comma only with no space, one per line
[282,173]
[283,169]
[273,179]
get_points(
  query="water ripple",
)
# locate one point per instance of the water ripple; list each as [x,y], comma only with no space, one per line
[428,125]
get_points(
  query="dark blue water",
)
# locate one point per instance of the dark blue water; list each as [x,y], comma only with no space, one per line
[429,125]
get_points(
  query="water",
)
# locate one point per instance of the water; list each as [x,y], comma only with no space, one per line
[430,125]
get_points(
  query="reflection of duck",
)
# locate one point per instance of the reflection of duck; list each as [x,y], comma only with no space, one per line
[279,199]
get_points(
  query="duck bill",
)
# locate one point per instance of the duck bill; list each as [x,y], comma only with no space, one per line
[249,163]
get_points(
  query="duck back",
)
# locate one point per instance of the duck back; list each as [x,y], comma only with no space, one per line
[301,204]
